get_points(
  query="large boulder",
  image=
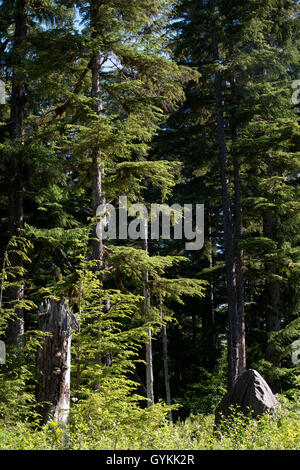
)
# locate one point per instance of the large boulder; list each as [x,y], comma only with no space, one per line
[250,395]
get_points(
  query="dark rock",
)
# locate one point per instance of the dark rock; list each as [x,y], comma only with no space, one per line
[250,395]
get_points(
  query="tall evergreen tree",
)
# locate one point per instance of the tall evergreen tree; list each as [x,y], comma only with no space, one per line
[21,23]
[235,43]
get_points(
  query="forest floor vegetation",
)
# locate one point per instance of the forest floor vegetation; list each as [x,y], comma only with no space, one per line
[197,432]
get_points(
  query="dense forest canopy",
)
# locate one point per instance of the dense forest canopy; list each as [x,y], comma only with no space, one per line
[166,104]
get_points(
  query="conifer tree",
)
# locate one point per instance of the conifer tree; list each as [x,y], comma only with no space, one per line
[128,87]
[209,44]
[236,43]
[15,329]
[21,24]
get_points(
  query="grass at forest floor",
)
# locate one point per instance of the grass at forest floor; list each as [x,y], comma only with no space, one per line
[280,432]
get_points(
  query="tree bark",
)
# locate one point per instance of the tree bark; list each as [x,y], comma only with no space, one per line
[166,366]
[98,197]
[166,360]
[212,287]
[239,268]
[54,361]
[233,340]
[15,293]
[149,356]
[238,233]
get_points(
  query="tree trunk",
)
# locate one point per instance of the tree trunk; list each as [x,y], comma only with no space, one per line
[166,361]
[239,268]
[233,340]
[97,168]
[54,361]
[233,367]
[238,233]
[98,196]
[212,287]
[149,357]
[15,293]
[166,370]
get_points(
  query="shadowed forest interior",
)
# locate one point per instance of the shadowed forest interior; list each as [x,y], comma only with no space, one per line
[110,342]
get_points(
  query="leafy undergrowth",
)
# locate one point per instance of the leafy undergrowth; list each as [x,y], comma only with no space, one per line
[280,432]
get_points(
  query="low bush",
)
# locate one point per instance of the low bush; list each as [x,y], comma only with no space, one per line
[151,431]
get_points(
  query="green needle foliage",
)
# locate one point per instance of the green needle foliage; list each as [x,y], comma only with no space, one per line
[161,101]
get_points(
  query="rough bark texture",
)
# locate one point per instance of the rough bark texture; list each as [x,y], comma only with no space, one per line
[53,361]
[15,328]
[250,395]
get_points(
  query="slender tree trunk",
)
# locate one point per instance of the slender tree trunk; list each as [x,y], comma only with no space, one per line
[54,361]
[15,328]
[233,367]
[149,360]
[149,356]
[212,287]
[238,233]
[166,370]
[78,351]
[166,363]
[233,342]
[98,197]
[239,268]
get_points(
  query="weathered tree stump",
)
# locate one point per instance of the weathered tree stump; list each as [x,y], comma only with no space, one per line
[250,395]
[54,360]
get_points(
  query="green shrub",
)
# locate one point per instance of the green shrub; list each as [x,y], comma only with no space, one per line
[148,429]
